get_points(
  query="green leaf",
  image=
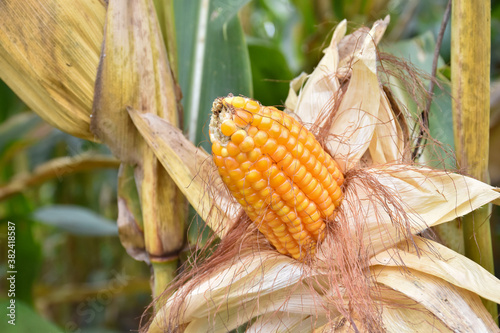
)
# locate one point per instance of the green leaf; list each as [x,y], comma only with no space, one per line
[15,129]
[270,72]
[419,51]
[76,220]
[213,59]
[26,320]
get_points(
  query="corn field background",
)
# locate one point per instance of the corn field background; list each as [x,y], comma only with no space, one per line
[74,274]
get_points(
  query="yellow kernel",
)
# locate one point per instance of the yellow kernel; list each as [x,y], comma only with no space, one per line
[259,185]
[254,154]
[238,136]
[265,192]
[242,118]
[246,165]
[306,180]
[223,152]
[252,106]
[257,118]
[228,127]
[279,229]
[300,236]
[231,163]
[265,123]
[260,138]
[327,208]
[310,187]
[283,211]
[316,192]
[275,130]
[284,188]
[314,225]
[295,129]
[240,183]
[252,199]
[298,150]
[270,216]
[247,144]
[219,161]
[317,169]
[310,141]
[290,216]
[300,206]
[287,195]
[270,146]
[236,174]
[284,135]
[263,164]
[241,157]
[252,130]
[279,153]
[287,240]
[336,196]
[216,148]
[291,143]
[253,176]
[324,197]
[323,174]
[277,180]
[232,149]
[238,102]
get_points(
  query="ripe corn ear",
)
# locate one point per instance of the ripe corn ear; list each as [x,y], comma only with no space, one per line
[274,167]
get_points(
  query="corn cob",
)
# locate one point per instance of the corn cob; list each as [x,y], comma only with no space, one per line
[274,167]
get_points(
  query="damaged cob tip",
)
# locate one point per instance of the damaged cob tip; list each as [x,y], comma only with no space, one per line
[274,167]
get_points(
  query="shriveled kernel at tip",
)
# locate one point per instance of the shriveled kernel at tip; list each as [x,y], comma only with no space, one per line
[287,184]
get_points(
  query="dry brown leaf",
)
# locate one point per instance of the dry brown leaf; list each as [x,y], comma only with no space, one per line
[49,53]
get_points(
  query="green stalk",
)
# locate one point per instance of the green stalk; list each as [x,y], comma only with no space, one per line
[470,64]
[164,273]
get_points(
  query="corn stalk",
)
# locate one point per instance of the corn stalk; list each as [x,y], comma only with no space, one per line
[470,62]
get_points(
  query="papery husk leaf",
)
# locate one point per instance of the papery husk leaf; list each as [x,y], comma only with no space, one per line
[191,169]
[431,197]
[292,302]
[435,259]
[401,314]
[455,307]
[56,168]
[322,84]
[295,85]
[259,282]
[353,43]
[423,198]
[388,143]
[49,53]
[354,122]
[286,323]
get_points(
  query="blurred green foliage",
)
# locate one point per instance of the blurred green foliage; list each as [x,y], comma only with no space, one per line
[73,272]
